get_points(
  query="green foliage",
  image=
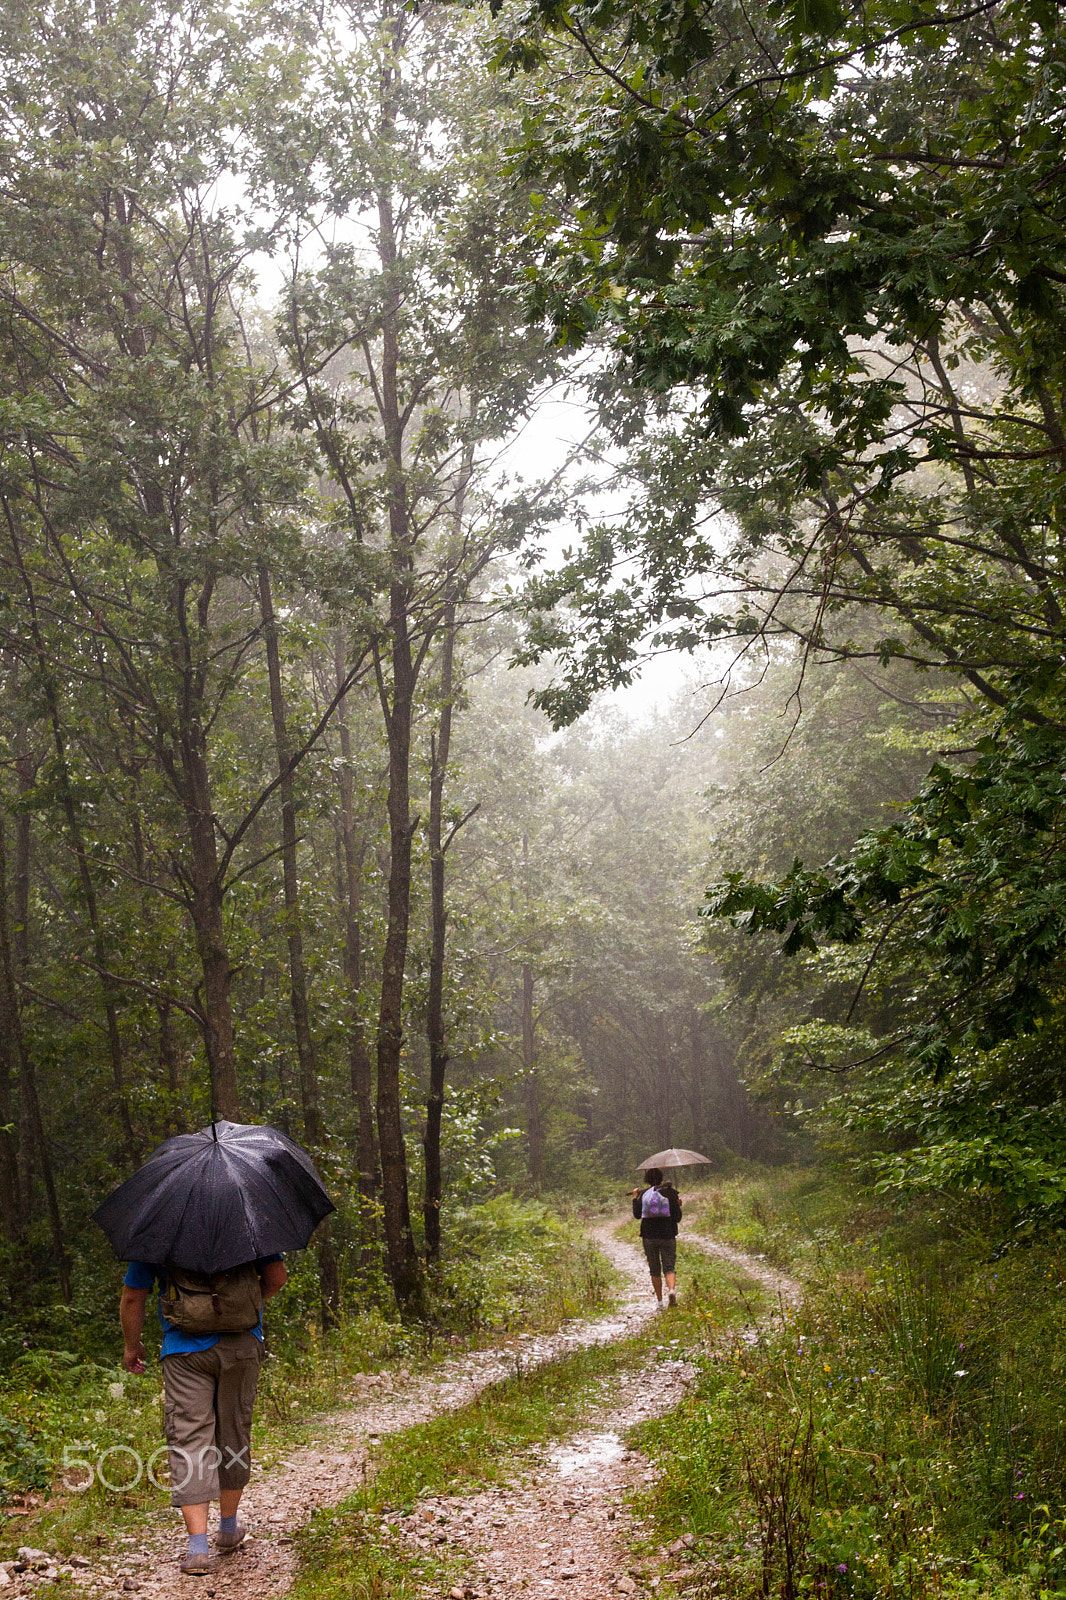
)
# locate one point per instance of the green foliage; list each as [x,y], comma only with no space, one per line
[811,237]
[904,1427]
[956,913]
[517,1263]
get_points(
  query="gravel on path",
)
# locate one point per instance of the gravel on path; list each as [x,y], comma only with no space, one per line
[555,1536]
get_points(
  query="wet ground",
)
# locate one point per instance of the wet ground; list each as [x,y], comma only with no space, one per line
[558,1534]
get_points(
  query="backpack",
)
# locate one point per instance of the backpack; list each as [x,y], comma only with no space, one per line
[654,1204]
[223,1302]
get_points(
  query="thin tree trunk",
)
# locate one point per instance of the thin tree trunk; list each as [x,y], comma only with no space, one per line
[531,1082]
[438,1052]
[314,1132]
[17,1055]
[23,1146]
[108,986]
[193,781]
[697,1098]
[211,944]
[664,1099]
[11,1211]
[404,1266]
[305,1048]
[530,1073]
[359,1061]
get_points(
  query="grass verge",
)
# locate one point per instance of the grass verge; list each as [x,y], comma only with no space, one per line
[902,1434]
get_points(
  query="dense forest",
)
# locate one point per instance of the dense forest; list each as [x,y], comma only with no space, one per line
[383,389]
[286,830]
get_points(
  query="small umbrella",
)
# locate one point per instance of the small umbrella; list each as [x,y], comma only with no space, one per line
[675,1158]
[212,1200]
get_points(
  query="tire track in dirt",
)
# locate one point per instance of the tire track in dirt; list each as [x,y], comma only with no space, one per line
[555,1536]
[564,1531]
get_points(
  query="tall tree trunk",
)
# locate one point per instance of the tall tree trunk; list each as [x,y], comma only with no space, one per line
[359,1061]
[664,1098]
[109,987]
[314,1132]
[438,846]
[11,1212]
[305,1048]
[404,1266]
[23,1146]
[530,1073]
[191,777]
[211,944]
[697,1095]
[438,1052]
[13,1047]
[402,1258]
[531,1082]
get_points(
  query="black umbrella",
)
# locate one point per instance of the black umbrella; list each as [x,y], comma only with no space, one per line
[212,1200]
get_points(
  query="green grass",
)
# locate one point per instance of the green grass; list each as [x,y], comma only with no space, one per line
[494,1439]
[905,1428]
[488,1442]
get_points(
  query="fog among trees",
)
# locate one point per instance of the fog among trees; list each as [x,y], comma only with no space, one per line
[322,799]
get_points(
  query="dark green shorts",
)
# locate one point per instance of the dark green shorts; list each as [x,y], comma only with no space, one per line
[661,1254]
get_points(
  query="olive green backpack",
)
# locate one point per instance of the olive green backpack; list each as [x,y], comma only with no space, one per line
[223,1302]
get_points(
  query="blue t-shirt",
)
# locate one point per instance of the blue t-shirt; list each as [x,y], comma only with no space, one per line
[143,1275]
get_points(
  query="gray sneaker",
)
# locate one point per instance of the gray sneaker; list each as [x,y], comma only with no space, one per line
[230,1541]
[199,1566]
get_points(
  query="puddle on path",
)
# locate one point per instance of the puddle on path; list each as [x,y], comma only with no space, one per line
[586,1451]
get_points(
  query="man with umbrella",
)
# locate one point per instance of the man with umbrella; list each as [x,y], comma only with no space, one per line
[207,1218]
[210,1381]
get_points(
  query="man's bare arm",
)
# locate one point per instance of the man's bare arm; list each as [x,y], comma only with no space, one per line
[131,1315]
[273,1277]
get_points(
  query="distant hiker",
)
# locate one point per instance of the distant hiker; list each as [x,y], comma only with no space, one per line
[210,1380]
[658,1210]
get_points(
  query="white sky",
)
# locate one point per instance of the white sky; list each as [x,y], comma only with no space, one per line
[541,447]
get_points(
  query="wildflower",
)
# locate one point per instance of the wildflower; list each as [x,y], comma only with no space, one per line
[1019,1497]
[116,1390]
[101,1416]
[842,1566]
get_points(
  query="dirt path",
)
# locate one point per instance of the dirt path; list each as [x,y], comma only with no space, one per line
[563,1532]
[555,1535]
[787,1291]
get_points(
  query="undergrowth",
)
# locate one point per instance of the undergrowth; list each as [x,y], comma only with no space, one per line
[903,1434]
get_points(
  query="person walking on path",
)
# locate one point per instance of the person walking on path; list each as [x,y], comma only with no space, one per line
[658,1210]
[210,1382]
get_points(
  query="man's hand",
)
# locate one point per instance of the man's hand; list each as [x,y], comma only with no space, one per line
[636,1194]
[134,1360]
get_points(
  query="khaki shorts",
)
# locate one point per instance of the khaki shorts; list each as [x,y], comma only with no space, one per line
[208,1416]
[661,1254]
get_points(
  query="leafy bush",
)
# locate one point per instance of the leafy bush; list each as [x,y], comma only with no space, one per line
[513,1263]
